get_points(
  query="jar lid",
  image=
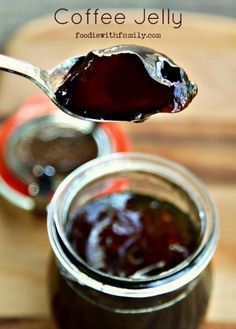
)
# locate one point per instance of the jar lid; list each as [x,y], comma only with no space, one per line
[39,146]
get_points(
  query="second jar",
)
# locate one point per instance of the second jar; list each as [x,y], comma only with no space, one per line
[86,297]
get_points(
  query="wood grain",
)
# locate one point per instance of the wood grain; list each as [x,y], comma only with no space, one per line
[203,138]
[207,149]
[26,324]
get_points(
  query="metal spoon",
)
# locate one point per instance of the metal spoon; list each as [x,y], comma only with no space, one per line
[158,66]
[47,80]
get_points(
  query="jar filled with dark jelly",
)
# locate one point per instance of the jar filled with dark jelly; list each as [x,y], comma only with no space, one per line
[39,147]
[133,236]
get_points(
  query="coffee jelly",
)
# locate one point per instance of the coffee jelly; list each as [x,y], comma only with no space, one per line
[128,233]
[124,83]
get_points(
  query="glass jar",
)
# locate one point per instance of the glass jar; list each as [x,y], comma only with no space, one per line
[40,146]
[82,297]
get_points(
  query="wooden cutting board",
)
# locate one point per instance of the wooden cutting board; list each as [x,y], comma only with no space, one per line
[203,138]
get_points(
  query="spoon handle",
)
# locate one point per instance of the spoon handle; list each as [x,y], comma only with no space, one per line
[27,70]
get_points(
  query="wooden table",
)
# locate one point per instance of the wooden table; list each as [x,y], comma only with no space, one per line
[203,138]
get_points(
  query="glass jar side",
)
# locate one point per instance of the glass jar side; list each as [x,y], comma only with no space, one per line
[73,304]
[170,297]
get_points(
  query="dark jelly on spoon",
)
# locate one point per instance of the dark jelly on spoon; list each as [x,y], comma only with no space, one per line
[124,83]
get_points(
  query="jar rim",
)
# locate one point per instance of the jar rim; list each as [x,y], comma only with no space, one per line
[172,279]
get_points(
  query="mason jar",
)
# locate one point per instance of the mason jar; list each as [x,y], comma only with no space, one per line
[40,146]
[84,297]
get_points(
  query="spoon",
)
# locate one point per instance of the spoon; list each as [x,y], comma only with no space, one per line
[47,80]
[121,83]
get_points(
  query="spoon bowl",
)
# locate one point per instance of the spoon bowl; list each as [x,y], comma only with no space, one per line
[47,80]
[58,74]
